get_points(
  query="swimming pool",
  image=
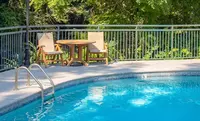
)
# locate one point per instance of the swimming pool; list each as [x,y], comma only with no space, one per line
[171,98]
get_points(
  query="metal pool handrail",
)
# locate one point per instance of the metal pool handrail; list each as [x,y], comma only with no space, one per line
[29,73]
[51,81]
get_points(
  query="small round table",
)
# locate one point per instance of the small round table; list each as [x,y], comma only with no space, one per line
[72,44]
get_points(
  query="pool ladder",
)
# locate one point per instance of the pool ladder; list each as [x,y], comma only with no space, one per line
[35,79]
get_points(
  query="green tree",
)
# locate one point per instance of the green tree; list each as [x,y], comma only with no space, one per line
[58,11]
[12,13]
[127,11]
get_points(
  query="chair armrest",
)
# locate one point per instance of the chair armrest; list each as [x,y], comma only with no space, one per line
[58,47]
[106,46]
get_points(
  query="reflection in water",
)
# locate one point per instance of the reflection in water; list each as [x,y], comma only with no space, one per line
[149,93]
[155,91]
[118,93]
[140,102]
[96,94]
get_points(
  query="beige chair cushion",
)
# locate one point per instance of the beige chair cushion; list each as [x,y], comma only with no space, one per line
[96,51]
[46,39]
[99,45]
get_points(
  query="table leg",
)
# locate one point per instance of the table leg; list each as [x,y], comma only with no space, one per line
[72,49]
[80,55]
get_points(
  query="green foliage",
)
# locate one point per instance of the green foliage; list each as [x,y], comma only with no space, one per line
[185,52]
[101,12]
[9,17]
[113,52]
[11,62]
[128,11]
[150,52]
[33,52]
[56,11]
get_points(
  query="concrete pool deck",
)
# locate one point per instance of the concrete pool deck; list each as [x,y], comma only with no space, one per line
[60,74]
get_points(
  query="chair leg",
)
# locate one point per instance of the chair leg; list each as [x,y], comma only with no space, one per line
[38,58]
[53,57]
[98,55]
[44,60]
[58,57]
[62,61]
[87,56]
[106,56]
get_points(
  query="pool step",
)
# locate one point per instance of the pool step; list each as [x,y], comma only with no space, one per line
[47,93]
[48,96]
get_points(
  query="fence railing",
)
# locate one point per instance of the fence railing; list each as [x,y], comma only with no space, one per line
[126,42]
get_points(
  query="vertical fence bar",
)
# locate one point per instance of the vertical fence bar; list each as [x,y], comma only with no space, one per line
[132,45]
[156,52]
[121,45]
[168,43]
[13,51]
[189,45]
[21,46]
[153,52]
[2,51]
[126,42]
[6,51]
[151,43]
[198,43]
[195,54]
[58,32]
[193,46]
[9,51]
[129,43]
[181,38]
[172,38]
[118,45]
[160,43]
[149,40]
[115,43]
[136,39]
[185,43]
[175,44]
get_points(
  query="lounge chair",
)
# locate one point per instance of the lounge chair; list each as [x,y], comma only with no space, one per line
[97,48]
[47,50]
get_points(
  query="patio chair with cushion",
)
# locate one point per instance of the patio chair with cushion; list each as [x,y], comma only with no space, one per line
[47,50]
[97,48]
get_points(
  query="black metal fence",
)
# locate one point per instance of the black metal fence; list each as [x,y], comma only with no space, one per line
[126,42]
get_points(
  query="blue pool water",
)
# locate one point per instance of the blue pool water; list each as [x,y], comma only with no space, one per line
[134,99]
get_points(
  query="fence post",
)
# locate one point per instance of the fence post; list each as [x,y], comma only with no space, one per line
[27,47]
[21,50]
[1,60]
[172,38]
[58,32]
[136,39]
